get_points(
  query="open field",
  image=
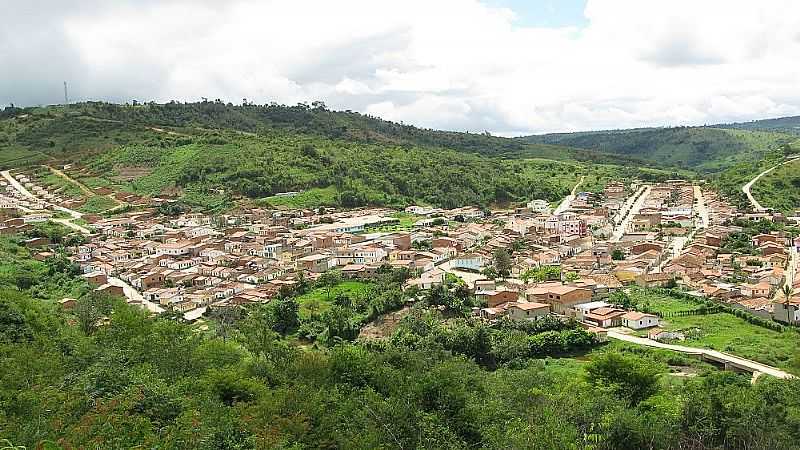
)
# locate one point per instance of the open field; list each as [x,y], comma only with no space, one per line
[97,204]
[659,303]
[318,300]
[311,198]
[728,333]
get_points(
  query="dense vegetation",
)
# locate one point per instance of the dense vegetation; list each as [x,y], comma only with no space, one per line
[72,378]
[698,148]
[780,189]
[214,154]
[790,125]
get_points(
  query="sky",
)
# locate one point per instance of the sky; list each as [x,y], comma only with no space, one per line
[510,67]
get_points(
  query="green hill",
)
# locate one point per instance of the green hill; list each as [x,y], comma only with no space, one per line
[789,125]
[780,189]
[211,154]
[706,149]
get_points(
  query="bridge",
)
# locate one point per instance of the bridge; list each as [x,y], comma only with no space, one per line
[723,360]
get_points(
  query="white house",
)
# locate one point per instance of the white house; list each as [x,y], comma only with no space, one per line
[638,321]
[528,310]
[539,206]
[469,261]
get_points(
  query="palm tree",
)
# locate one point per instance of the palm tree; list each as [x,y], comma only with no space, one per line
[787,292]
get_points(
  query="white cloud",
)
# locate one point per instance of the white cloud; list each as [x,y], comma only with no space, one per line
[452,64]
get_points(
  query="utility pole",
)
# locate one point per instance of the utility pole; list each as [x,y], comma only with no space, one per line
[66,97]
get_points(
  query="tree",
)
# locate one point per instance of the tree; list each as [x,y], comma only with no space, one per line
[617,255]
[570,277]
[329,280]
[622,299]
[489,272]
[502,262]
[284,314]
[226,317]
[787,292]
[632,378]
[339,325]
[90,309]
[422,244]
[519,245]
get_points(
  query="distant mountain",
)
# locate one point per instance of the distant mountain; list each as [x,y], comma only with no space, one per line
[704,149]
[789,125]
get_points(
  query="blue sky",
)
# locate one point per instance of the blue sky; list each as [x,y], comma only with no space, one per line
[545,13]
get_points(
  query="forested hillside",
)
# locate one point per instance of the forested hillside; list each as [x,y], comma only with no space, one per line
[780,189]
[705,149]
[103,374]
[790,125]
[211,154]
[314,120]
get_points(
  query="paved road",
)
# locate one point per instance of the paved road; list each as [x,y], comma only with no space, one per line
[790,273]
[677,243]
[746,188]
[632,210]
[564,205]
[755,366]
[26,193]
[702,207]
[674,250]
[68,223]
[17,185]
[133,295]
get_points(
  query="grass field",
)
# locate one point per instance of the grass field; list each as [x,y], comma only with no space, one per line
[317,300]
[15,156]
[657,302]
[728,333]
[312,198]
[97,204]
[780,189]
[95,182]
[63,187]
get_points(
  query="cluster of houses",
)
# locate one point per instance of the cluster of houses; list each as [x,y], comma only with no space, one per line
[11,199]
[672,236]
[748,278]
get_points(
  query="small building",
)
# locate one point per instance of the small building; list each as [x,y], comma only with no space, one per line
[528,310]
[659,334]
[498,297]
[67,303]
[470,261]
[110,289]
[788,312]
[639,321]
[655,280]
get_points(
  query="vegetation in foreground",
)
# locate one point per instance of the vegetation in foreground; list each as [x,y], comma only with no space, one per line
[105,375]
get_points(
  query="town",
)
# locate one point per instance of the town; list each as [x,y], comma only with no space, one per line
[566,260]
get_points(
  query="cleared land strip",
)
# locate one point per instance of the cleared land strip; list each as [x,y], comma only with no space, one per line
[564,205]
[80,185]
[746,188]
[86,190]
